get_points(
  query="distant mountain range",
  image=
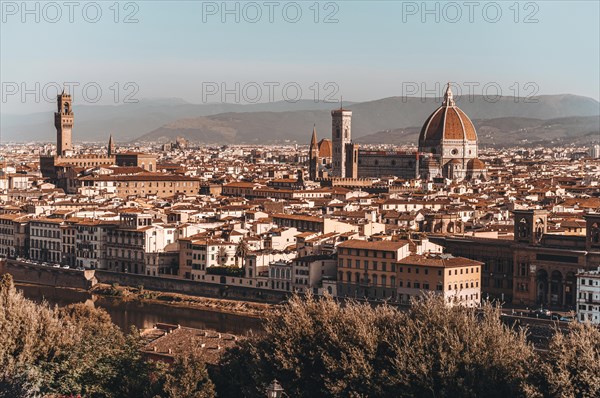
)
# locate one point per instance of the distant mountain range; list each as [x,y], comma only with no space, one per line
[509,131]
[129,121]
[395,120]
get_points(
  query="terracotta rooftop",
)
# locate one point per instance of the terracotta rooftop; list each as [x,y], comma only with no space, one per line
[375,245]
[167,341]
[439,260]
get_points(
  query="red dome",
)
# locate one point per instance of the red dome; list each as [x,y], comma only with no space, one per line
[448,122]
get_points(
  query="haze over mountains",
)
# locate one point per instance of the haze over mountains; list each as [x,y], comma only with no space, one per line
[550,119]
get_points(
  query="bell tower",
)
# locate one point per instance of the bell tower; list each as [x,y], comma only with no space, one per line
[530,226]
[63,121]
[592,228]
[341,134]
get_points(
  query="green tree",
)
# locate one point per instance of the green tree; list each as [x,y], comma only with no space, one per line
[188,377]
[77,350]
[572,365]
[241,252]
[317,347]
[222,256]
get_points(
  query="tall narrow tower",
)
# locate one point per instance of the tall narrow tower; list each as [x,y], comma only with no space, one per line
[341,134]
[63,121]
[313,160]
[111,147]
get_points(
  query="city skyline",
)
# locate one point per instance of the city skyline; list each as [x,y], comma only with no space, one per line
[299,199]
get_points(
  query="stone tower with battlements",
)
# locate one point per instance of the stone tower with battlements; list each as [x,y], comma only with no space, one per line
[63,121]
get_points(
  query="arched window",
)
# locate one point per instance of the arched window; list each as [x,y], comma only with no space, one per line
[595,233]
[523,228]
[539,229]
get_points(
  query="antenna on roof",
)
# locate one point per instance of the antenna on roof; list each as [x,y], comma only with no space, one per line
[341,102]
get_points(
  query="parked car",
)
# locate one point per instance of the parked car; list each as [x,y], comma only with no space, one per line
[56,265]
[65,266]
[541,313]
[566,319]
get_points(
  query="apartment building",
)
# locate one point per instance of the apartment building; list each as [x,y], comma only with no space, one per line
[197,255]
[368,268]
[280,276]
[14,236]
[46,240]
[88,239]
[308,272]
[457,279]
[401,270]
[588,296]
[143,184]
[128,244]
[281,238]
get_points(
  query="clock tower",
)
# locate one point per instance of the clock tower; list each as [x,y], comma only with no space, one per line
[63,121]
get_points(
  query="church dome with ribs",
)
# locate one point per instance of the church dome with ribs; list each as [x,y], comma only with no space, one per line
[447,123]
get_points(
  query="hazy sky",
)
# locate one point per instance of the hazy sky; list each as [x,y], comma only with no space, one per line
[361,50]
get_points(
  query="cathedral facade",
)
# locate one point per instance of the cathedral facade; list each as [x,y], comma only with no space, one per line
[448,147]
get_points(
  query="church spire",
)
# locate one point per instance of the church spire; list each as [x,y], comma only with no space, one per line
[313,140]
[448,97]
[111,146]
[313,156]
